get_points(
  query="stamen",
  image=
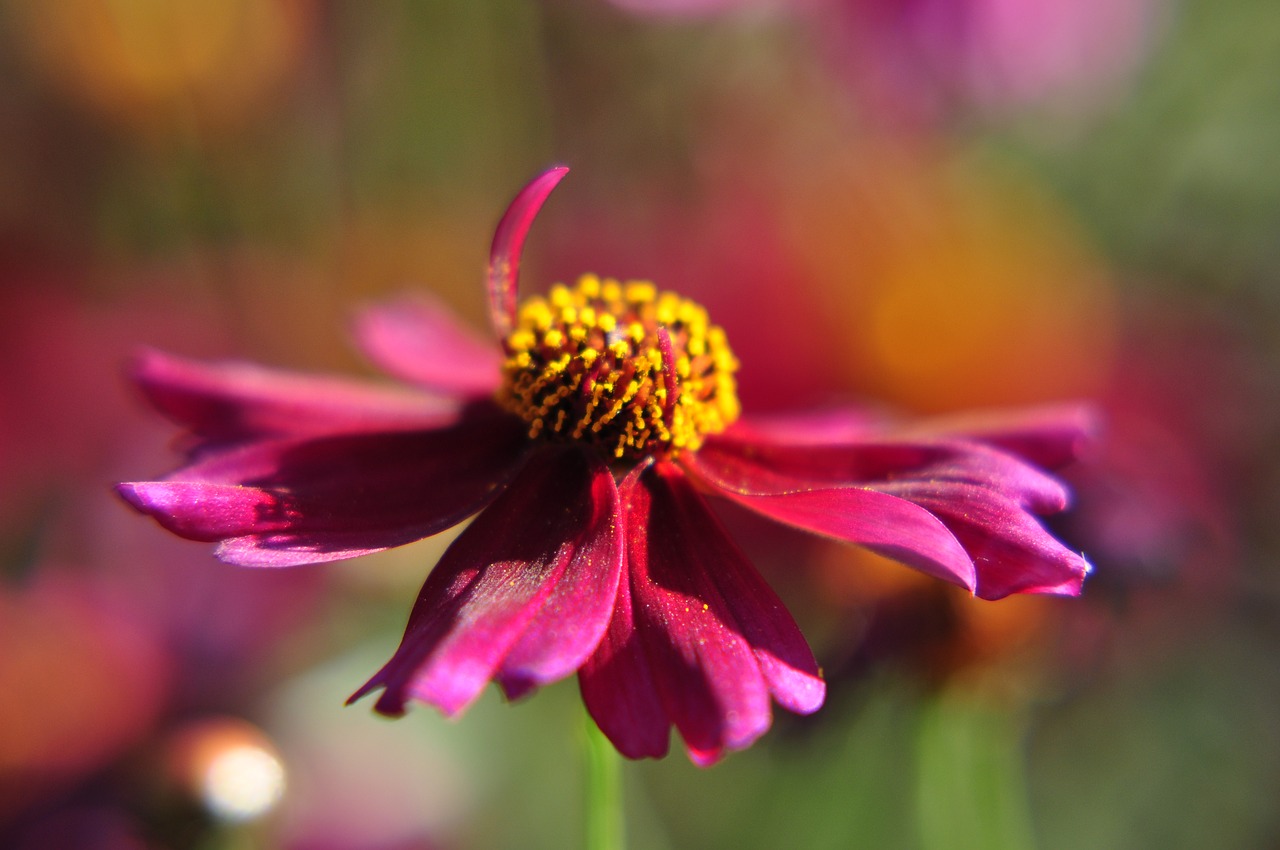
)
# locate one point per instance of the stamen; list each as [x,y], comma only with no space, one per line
[620,366]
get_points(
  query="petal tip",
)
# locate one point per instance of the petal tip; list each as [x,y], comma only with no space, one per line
[508,245]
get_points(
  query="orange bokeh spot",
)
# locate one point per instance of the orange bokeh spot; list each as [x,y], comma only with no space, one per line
[158,65]
[78,683]
[958,288]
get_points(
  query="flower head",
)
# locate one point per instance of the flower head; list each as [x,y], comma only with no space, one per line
[586,444]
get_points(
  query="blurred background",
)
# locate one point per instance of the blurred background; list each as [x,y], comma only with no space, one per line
[932,205]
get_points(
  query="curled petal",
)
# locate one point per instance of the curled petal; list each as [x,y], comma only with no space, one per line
[524,593]
[508,245]
[419,340]
[1013,552]
[305,500]
[703,628]
[233,400]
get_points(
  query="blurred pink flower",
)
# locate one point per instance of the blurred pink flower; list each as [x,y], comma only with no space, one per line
[588,442]
[916,60]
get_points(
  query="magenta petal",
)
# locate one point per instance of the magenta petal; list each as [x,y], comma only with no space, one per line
[203,511]
[508,246]
[826,426]
[574,617]
[291,501]
[767,467]
[619,690]
[235,400]
[1050,437]
[706,671]
[883,523]
[418,339]
[1012,551]
[556,522]
[785,659]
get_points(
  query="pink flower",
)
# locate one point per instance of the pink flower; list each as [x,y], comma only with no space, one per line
[587,443]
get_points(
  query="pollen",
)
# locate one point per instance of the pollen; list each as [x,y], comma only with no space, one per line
[620,366]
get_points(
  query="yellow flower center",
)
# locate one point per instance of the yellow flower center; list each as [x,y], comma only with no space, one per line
[620,366]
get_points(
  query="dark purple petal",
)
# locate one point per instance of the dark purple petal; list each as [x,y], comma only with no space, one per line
[713,683]
[1011,551]
[508,245]
[883,523]
[235,400]
[419,340]
[525,591]
[303,500]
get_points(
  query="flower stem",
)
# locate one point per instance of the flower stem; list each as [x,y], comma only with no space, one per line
[603,820]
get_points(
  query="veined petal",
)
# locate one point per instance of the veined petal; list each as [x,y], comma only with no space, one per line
[232,400]
[705,671]
[419,340]
[785,659]
[508,246]
[881,522]
[509,584]
[302,500]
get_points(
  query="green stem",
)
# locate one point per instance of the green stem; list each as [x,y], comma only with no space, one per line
[603,821]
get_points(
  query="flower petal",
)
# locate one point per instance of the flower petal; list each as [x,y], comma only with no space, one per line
[618,687]
[817,427]
[952,509]
[785,659]
[574,617]
[419,340]
[777,467]
[233,400]
[1013,552]
[508,245]
[508,584]
[304,500]
[883,523]
[1050,437]
[707,674]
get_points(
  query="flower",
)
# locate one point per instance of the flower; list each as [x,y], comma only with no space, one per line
[586,446]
